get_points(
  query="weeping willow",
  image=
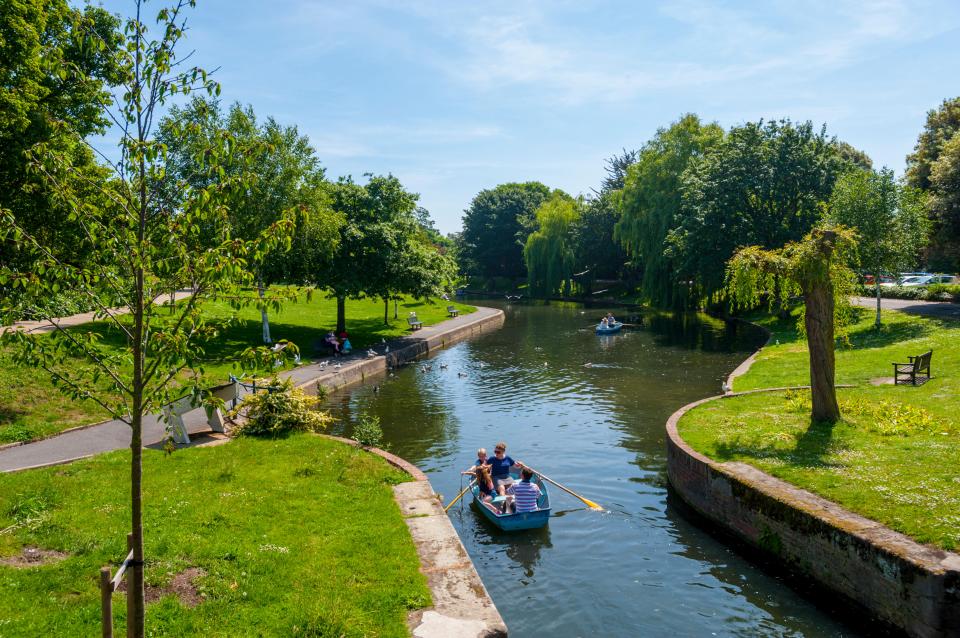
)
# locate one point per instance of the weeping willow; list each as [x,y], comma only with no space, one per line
[549,249]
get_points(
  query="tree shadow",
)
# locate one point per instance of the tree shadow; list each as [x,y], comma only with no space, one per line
[10,414]
[812,447]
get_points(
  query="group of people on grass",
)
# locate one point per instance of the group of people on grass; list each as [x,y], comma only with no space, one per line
[339,345]
[493,479]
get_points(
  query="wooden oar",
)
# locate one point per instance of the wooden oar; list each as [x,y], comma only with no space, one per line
[459,495]
[586,501]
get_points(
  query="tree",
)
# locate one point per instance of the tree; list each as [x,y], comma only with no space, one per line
[549,251]
[941,125]
[52,87]
[945,202]
[496,227]
[596,252]
[764,184]
[816,268]
[287,178]
[376,251]
[890,221]
[617,167]
[135,252]
[651,205]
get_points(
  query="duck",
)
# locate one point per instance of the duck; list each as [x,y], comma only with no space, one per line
[588,365]
[443,366]
[371,352]
[337,365]
[725,387]
[461,374]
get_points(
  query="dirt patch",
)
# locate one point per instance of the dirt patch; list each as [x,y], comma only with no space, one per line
[182,586]
[34,557]
[881,381]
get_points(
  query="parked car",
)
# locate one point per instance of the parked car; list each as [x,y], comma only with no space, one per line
[926,280]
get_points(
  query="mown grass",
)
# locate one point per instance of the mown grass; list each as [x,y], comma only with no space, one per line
[32,408]
[895,455]
[298,536]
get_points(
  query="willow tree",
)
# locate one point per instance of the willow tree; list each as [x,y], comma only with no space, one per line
[134,250]
[815,268]
[549,250]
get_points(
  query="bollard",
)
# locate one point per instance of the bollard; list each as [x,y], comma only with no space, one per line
[106,601]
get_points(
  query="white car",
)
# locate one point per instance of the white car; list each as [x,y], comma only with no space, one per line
[926,280]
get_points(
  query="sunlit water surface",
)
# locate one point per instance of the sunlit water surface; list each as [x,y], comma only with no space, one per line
[639,568]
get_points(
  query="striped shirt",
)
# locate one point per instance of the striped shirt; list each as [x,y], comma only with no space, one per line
[526,494]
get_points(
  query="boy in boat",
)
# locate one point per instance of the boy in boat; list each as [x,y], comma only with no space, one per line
[525,493]
[610,320]
[500,466]
[481,460]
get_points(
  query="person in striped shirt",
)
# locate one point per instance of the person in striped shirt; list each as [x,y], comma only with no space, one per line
[525,493]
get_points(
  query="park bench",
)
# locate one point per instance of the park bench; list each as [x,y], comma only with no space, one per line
[452,311]
[415,324]
[917,370]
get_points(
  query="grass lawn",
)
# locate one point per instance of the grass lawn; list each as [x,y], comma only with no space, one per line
[31,407]
[298,536]
[894,457]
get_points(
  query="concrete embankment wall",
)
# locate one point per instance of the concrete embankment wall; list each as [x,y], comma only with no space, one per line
[410,349]
[903,583]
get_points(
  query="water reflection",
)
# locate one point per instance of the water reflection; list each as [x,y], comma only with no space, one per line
[588,411]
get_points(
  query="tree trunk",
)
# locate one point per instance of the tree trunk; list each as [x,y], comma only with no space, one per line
[395,307]
[341,314]
[876,281]
[263,312]
[386,311]
[135,600]
[818,320]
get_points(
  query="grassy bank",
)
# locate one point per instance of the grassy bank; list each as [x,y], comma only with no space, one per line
[893,457]
[299,536]
[31,408]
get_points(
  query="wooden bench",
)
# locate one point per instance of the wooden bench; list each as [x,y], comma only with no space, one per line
[415,324]
[452,311]
[917,370]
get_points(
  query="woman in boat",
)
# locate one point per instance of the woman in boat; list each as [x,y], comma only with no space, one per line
[525,493]
[610,320]
[500,466]
[604,324]
[485,482]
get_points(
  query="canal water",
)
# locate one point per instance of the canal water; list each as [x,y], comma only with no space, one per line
[589,412]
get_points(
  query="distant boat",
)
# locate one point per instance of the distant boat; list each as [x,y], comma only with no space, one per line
[511,522]
[609,330]
[514,297]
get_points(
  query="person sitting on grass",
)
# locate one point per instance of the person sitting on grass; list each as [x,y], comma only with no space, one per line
[481,460]
[500,467]
[484,482]
[331,340]
[525,493]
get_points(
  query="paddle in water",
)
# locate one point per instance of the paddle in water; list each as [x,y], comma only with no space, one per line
[586,501]
[466,489]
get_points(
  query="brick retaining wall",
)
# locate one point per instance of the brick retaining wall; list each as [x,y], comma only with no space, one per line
[908,585]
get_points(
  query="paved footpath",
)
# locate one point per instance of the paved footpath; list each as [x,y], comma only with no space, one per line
[114,435]
[43,326]
[910,306]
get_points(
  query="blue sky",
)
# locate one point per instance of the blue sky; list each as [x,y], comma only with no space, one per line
[454,97]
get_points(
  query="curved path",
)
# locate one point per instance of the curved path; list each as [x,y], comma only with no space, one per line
[911,306]
[114,435]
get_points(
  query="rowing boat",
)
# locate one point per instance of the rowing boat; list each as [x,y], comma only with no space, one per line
[511,522]
[609,330]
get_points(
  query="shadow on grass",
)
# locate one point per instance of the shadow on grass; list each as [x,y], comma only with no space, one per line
[812,447]
[864,335]
[9,414]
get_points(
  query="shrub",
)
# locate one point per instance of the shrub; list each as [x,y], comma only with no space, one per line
[286,409]
[367,432]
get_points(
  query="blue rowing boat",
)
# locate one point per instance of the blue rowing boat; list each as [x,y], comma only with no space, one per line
[609,330]
[511,522]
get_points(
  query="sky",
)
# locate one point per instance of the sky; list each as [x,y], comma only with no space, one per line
[454,97]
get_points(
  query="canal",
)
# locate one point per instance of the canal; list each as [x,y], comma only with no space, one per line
[588,411]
